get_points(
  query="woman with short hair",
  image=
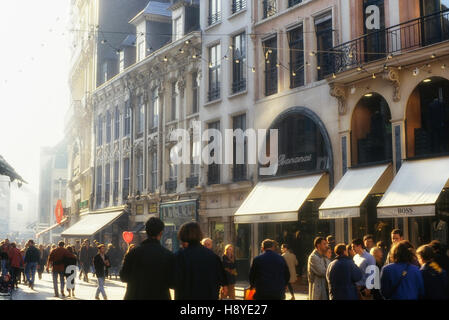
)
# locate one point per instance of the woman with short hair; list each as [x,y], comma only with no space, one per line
[401,279]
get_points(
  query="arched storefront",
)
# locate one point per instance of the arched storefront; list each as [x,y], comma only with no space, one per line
[281,205]
[357,194]
[427,137]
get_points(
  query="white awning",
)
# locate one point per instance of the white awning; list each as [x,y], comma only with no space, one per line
[347,197]
[280,200]
[415,189]
[52,227]
[91,224]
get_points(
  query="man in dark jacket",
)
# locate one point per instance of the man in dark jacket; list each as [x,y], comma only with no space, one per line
[101,264]
[440,256]
[341,275]
[149,268]
[199,272]
[436,286]
[57,260]
[269,273]
[32,258]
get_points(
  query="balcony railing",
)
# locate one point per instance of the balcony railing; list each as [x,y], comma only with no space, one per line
[238,86]
[214,18]
[214,93]
[192,182]
[410,35]
[170,186]
[238,5]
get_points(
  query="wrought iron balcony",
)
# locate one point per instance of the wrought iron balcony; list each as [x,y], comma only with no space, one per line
[291,3]
[238,5]
[214,93]
[170,186]
[214,18]
[410,35]
[239,86]
[192,182]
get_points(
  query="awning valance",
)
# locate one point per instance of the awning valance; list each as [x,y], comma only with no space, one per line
[280,200]
[51,227]
[347,197]
[91,224]
[415,189]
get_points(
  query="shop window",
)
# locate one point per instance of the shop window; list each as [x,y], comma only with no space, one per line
[428,118]
[301,146]
[371,130]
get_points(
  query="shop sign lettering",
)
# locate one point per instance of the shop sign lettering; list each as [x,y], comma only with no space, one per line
[283,161]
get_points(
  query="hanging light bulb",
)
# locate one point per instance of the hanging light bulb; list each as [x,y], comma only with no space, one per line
[390,57]
[226,57]
[400,68]
[103,41]
[433,56]
[312,54]
[237,61]
[165,59]
[181,50]
[350,55]
[415,72]
[385,67]
[443,67]
[334,76]
[359,68]
[374,76]
[277,65]
[187,42]
[318,68]
[210,65]
[270,51]
[353,90]
[294,73]
[253,69]
[194,56]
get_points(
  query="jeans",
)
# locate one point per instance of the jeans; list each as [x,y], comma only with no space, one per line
[100,288]
[61,280]
[30,271]
[4,267]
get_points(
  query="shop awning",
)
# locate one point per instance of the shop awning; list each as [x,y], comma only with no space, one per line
[51,227]
[415,189]
[280,200]
[347,197]
[91,224]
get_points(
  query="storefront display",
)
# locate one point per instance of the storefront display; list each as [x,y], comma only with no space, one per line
[175,214]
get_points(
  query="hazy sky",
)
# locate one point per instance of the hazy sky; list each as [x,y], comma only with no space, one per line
[34,94]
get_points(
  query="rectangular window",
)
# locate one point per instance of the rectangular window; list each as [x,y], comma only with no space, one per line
[213,173]
[154,172]
[238,5]
[107,187]
[296,44]
[140,117]
[99,183]
[126,170]
[271,69]
[323,29]
[269,8]
[239,63]
[117,123]
[127,120]
[99,131]
[108,127]
[195,92]
[174,96]
[116,180]
[214,11]
[177,29]
[155,110]
[139,174]
[291,3]
[214,72]
[239,170]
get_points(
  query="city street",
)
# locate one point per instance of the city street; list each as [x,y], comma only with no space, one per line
[115,289]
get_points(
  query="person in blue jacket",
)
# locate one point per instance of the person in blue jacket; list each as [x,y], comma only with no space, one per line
[342,275]
[402,280]
[434,276]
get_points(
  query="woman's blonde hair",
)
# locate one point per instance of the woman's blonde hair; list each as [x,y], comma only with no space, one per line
[226,250]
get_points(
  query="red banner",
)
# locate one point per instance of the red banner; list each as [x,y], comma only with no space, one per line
[59,212]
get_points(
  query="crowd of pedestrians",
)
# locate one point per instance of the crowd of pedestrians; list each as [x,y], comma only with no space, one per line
[20,263]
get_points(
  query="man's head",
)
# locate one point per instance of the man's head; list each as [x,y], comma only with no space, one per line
[268,245]
[436,246]
[207,242]
[190,232]
[320,245]
[154,228]
[358,246]
[330,240]
[396,236]
[30,242]
[378,254]
[368,241]
[101,248]
[425,254]
[284,248]
[402,252]
[340,250]
[61,244]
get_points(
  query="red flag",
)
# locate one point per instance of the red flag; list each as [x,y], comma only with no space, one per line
[59,211]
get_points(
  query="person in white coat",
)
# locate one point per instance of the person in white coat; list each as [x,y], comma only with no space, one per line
[316,271]
[292,262]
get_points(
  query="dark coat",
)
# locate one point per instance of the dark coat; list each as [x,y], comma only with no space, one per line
[341,275]
[199,274]
[100,266]
[442,260]
[148,270]
[269,275]
[32,254]
[57,258]
[435,282]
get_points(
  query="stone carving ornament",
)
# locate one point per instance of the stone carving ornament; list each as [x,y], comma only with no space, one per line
[339,92]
